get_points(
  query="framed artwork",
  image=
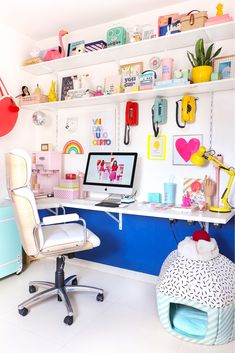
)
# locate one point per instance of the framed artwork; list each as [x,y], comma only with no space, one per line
[225,66]
[130,73]
[68,83]
[183,148]
[156,147]
[76,48]
[45,147]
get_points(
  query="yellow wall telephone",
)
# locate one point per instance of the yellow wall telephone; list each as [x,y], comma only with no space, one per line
[188,110]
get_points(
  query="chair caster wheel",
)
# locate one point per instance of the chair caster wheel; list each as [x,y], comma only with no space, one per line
[100,297]
[59,298]
[32,289]
[68,320]
[74,282]
[23,311]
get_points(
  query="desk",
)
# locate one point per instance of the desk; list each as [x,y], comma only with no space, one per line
[138,209]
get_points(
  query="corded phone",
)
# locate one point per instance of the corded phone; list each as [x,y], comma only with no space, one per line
[132,114]
[159,114]
[188,110]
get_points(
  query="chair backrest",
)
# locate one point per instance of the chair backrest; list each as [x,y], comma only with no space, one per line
[18,174]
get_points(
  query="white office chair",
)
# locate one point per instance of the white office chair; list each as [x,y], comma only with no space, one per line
[51,237]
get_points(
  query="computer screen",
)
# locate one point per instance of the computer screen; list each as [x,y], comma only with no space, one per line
[111,173]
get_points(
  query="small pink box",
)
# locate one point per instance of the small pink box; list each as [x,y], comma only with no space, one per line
[218,19]
[65,193]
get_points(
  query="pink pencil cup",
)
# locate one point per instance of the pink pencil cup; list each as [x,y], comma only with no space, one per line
[167,68]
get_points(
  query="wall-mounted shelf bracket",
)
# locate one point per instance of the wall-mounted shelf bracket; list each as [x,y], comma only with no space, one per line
[118,220]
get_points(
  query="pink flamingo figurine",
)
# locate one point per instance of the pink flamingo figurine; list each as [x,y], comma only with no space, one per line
[53,54]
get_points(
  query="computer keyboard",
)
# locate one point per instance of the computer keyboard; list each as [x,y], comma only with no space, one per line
[107,204]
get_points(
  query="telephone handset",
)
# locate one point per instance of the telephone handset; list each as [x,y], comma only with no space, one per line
[159,114]
[132,114]
[188,110]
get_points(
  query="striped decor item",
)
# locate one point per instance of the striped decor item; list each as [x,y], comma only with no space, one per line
[100,44]
[221,327]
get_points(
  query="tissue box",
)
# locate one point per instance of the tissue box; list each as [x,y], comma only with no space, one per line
[100,44]
[65,193]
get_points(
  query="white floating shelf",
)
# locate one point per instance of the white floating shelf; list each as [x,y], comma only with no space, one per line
[151,46]
[212,86]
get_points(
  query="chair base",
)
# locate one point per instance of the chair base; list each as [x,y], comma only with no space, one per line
[60,288]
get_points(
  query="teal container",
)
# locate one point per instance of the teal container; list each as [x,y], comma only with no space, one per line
[10,244]
[116,36]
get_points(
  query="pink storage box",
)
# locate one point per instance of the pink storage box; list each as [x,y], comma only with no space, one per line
[218,19]
[69,183]
[65,193]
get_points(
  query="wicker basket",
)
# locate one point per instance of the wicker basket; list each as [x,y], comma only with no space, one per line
[34,99]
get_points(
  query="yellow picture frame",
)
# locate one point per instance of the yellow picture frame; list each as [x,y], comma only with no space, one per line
[156,147]
[130,76]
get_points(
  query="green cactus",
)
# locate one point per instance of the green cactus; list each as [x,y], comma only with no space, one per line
[202,57]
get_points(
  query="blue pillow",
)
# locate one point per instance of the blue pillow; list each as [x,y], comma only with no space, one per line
[189,321]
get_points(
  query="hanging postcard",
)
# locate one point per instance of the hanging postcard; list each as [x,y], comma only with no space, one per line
[103,126]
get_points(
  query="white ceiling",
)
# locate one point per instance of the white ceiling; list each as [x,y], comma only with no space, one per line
[42,19]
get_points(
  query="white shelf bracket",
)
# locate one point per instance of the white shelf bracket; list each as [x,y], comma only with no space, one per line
[118,220]
[205,226]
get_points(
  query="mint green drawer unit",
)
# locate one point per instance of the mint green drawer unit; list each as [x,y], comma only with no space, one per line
[10,245]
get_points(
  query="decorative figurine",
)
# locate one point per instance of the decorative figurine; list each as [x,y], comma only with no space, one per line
[219,9]
[25,91]
[52,97]
[53,54]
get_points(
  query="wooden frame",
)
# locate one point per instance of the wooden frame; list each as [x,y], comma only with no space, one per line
[45,147]
[156,147]
[224,66]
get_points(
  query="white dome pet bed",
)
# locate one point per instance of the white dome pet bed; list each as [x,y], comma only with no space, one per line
[195,294]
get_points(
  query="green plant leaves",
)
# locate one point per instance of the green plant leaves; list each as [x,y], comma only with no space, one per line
[201,57]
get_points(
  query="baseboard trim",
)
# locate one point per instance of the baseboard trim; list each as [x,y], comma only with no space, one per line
[139,276]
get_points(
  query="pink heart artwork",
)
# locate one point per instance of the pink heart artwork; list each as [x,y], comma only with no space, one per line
[186,149]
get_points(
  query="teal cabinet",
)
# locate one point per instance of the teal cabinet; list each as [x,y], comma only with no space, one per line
[10,245]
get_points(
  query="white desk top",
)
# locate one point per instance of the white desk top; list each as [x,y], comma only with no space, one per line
[138,209]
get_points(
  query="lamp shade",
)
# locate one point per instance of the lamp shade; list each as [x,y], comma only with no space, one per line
[198,158]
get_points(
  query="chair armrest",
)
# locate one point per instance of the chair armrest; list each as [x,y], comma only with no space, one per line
[70,217]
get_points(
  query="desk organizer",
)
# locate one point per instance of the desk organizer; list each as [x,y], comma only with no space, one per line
[195,299]
[100,44]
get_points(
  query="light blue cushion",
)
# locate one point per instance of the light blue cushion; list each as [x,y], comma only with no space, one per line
[188,321]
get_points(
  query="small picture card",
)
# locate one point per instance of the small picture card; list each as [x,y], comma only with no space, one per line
[225,66]
[130,74]
[68,83]
[76,48]
[183,148]
[156,147]
[193,192]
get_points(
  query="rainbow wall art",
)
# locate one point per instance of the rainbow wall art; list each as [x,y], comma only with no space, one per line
[73,147]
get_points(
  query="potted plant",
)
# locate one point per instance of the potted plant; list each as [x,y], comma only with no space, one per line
[201,61]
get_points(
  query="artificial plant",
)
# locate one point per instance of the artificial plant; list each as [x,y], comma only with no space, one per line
[202,57]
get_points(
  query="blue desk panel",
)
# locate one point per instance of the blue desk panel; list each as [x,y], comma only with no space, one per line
[144,242]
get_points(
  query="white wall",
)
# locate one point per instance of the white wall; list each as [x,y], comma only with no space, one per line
[151,174]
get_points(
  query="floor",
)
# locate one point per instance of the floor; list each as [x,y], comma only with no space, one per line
[126,321]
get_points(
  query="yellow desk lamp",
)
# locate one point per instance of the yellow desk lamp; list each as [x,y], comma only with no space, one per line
[200,158]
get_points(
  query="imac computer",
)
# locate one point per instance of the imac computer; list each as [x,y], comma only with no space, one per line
[110,173]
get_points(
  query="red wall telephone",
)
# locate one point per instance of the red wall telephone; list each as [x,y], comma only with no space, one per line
[132,112]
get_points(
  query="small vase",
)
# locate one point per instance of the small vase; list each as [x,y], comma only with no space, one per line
[201,74]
